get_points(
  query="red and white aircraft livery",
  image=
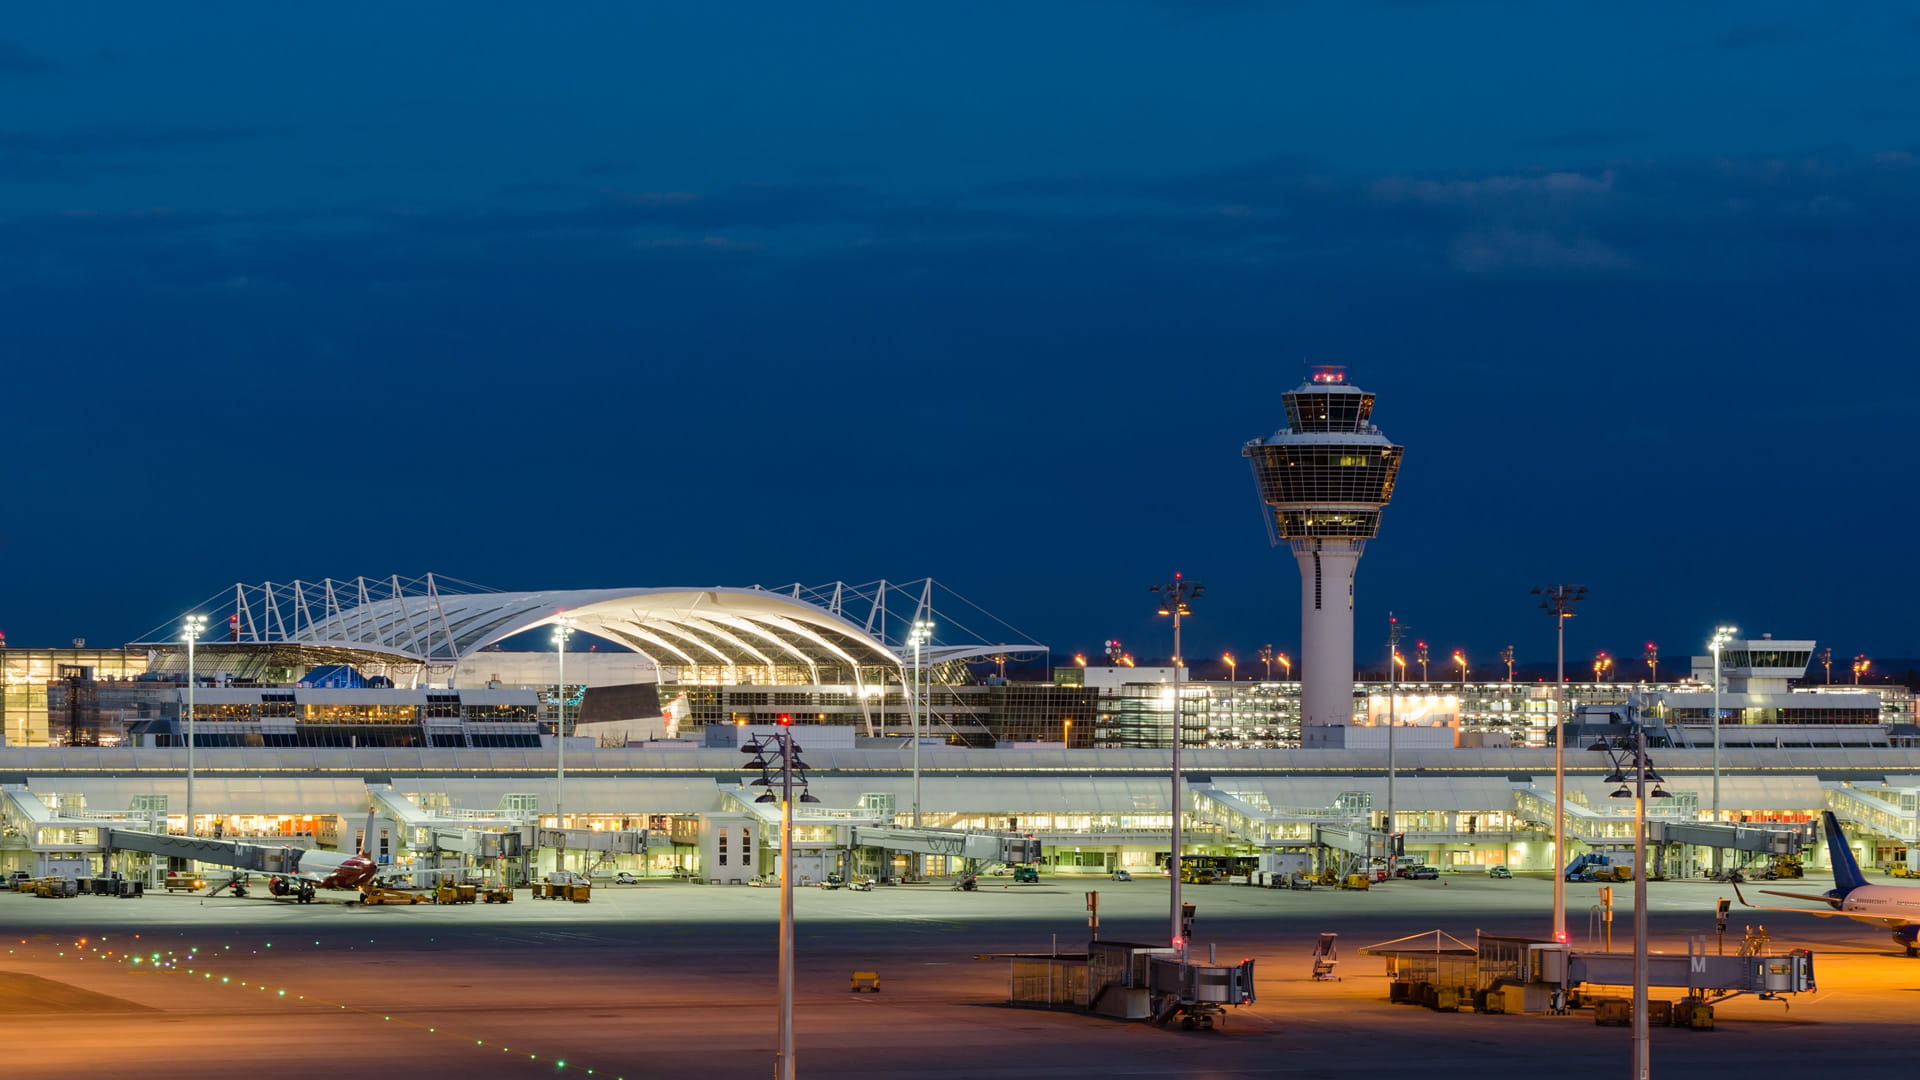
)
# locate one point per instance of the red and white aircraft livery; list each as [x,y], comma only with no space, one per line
[293,872]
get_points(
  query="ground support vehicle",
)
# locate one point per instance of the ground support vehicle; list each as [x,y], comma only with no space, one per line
[449,893]
[497,894]
[374,895]
[55,888]
[1028,874]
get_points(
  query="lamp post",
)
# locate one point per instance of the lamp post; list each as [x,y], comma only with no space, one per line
[1233,669]
[1506,657]
[562,630]
[1826,661]
[191,629]
[1634,757]
[790,766]
[1266,657]
[1394,663]
[1721,635]
[1420,655]
[1460,658]
[917,637]
[1602,665]
[1652,657]
[1860,665]
[1066,732]
[1286,665]
[1176,599]
[1558,601]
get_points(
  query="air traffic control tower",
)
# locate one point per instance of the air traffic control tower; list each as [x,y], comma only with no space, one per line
[1325,477]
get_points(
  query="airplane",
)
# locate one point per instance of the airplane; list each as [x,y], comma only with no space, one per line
[1896,907]
[302,870]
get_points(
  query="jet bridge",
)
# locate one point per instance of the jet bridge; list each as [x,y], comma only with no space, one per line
[230,853]
[868,825]
[1771,839]
[509,832]
[981,847]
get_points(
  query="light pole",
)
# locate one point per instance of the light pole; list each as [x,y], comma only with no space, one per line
[1826,661]
[1652,657]
[562,630]
[1394,663]
[917,636]
[1286,665]
[1634,757]
[790,764]
[193,627]
[1233,669]
[1460,658]
[1266,657]
[1860,665]
[1721,635]
[1602,665]
[1558,601]
[1506,656]
[1176,599]
[1420,655]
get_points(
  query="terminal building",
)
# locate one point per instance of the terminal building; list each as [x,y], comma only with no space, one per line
[434,707]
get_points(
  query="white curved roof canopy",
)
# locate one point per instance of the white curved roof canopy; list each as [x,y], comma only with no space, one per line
[674,627]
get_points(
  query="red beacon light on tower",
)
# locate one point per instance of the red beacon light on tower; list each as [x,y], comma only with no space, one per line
[1329,373]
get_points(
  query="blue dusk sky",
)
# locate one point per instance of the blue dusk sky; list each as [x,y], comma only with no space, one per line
[609,294]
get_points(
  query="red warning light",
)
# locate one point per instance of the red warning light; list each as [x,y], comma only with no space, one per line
[785,719]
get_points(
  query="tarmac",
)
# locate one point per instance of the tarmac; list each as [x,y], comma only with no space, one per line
[669,979]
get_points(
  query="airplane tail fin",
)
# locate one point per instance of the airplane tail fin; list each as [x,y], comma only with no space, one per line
[366,838]
[1846,871]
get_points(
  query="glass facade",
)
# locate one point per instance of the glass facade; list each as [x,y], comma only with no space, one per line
[1321,473]
[1328,410]
[1357,524]
[1793,659]
[27,675]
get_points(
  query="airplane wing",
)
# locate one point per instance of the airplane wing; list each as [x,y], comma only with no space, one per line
[1816,897]
[1827,914]
[1891,922]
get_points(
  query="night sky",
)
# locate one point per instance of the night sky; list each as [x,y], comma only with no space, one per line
[689,294]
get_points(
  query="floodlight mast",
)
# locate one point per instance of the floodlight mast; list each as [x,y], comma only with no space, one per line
[921,633]
[1176,599]
[1558,601]
[190,631]
[1395,632]
[562,629]
[1721,636]
[1633,756]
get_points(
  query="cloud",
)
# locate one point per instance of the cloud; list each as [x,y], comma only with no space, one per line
[1502,249]
[100,141]
[1830,214]
[74,156]
[18,61]
[1764,35]
[1582,139]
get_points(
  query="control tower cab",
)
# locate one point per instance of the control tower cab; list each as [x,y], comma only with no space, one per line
[1325,477]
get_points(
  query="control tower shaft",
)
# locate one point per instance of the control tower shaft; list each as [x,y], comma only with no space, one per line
[1325,478]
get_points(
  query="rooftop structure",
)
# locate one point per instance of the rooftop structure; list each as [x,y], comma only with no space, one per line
[432,630]
[1325,478]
